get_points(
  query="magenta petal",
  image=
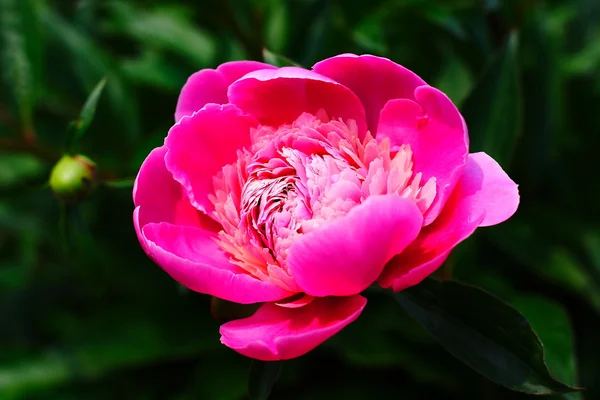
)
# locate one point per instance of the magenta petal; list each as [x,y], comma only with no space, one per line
[210,86]
[347,255]
[437,135]
[278,333]
[280,96]
[161,199]
[200,145]
[484,195]
[498,195]
[193,258]
[374,80]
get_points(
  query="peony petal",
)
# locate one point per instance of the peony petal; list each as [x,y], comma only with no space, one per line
[278,333]
[437,135]
[498,198]
[484,196]
[280,96]
[347,255]
[193,258]
[159,198]
[210,86]
[200,145]
[375,80]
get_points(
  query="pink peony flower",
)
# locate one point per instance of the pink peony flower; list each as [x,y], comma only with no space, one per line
[299,189]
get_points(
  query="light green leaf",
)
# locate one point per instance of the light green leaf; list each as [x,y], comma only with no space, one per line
[16,168]
[277,25]
[455,80]
[89,108]
[277,59]
[168,28]
[20,47]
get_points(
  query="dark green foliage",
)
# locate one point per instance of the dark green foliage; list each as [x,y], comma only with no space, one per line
[84,314]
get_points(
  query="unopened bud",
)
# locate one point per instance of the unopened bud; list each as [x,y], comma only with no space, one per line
[72,177]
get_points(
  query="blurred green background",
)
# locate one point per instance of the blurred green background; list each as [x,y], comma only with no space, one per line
[85,315]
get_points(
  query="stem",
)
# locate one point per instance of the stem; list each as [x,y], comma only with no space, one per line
[119,184]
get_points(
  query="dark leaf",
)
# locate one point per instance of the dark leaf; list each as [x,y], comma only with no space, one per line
[487,334]
[493,109]
[263,376]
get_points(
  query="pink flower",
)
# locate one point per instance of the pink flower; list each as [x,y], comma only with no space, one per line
[299,189]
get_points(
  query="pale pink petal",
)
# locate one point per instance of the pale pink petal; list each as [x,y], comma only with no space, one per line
[193,258]
[199,146]
[280,96]
[374,80]
[484,196]
[278,333]
[299,300]
[210,86]
[347,255]
[437,136]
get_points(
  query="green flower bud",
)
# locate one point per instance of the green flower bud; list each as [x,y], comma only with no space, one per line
[72,177]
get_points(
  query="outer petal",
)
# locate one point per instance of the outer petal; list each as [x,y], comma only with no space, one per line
[437,135]
[278,333]
[484,196]
[499,198]
[347,255]
[193,258]
[200,145]
[279,96]
[210,86]
[158,198]
[374,80]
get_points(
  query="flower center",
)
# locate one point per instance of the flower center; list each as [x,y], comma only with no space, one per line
[297,177]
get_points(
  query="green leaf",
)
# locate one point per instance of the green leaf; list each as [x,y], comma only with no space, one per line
[33,373]
[76,129]
[455,80]
[485,333]
[551,323]
[168,28]
[91,63]
[277,25]
[263,376]
[153,69]
[277,59]
[89,108]
[17,168]
[534,246]
[548,318]
[20,46]
[493,109]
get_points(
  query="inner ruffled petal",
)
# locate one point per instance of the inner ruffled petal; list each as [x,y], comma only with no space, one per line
[299,178]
